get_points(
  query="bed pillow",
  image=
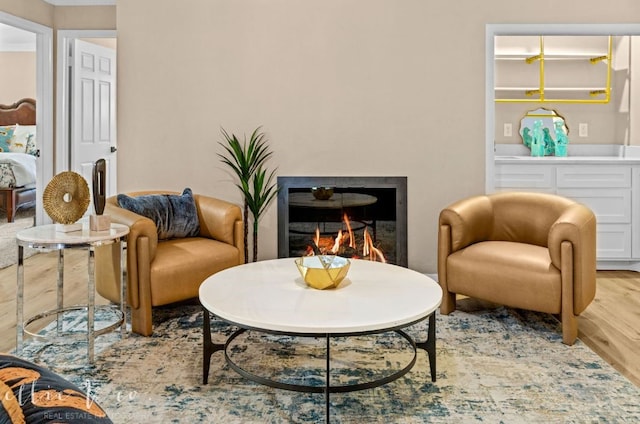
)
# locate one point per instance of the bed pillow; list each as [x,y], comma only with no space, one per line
[34,394]
[6,133]
[32,146]
[175,216]
[23,135]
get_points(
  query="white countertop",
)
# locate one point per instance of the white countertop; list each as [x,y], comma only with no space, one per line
[578,154]
[567,160]
[271,295]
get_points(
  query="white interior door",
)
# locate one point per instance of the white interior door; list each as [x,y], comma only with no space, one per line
[93,112]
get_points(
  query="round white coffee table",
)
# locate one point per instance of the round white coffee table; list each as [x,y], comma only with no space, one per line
[271,296]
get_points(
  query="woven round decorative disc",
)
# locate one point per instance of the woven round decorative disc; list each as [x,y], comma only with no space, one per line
[66,197]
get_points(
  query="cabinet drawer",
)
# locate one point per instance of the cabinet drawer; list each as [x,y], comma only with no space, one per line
[594,176]
[613,241]
[609,205]
[524,177]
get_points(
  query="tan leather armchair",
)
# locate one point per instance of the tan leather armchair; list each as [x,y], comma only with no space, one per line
[160,272]
[531,251]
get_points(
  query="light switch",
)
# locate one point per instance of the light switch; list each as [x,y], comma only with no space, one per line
[583,130]
[507,130]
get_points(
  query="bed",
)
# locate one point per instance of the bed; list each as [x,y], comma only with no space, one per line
[18,154]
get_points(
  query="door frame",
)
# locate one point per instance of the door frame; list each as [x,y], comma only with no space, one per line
[63,86]
[44,103]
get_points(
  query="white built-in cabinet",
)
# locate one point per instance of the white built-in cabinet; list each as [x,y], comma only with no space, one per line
[611,190]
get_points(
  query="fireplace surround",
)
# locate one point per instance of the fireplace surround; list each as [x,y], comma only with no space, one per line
[377,205]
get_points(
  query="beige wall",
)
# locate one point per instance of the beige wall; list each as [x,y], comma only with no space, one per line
[342,87]
[17,76]
[85,17]
[33,10]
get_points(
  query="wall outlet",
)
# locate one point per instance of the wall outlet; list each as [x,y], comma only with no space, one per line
[583,130]
[508,130]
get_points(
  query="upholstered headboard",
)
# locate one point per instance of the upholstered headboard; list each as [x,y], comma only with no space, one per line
[22,112]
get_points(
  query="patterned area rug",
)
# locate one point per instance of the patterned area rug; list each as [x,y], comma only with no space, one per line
[497,366]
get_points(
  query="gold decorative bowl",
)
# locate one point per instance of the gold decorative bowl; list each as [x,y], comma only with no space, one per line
[322,193]
[323,271]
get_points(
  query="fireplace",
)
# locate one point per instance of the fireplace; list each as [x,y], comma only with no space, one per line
[364,217]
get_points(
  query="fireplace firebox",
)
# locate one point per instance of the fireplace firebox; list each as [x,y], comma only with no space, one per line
[356,217]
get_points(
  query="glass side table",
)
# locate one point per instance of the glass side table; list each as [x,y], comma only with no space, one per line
[46,237]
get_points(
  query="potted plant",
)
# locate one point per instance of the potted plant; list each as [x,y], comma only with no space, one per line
[255,182]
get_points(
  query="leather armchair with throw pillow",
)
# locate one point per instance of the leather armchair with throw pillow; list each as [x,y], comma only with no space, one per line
[170,252]
[524,250]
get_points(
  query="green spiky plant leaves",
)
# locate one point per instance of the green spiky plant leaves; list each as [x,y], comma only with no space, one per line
[247,160]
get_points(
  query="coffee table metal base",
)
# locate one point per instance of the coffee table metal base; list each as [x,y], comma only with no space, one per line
[209,348]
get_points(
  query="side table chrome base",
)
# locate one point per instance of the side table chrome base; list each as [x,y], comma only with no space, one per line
[60,243]
[111,309]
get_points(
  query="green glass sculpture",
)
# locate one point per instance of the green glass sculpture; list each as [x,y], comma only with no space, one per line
[561,139]
[549,144]
[537,139]
[526,137]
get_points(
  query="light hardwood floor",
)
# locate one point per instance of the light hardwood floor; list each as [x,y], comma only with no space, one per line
[40,274]
[610,326]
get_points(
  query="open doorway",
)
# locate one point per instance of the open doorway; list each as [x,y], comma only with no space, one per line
[18,138]
[44,101]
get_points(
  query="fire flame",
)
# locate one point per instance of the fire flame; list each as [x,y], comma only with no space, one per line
[345,240]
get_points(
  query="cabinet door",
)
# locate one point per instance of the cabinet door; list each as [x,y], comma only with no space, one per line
[611,206]
[635,207]
[591,176]
[606,190]
[525,177]
[613,241]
